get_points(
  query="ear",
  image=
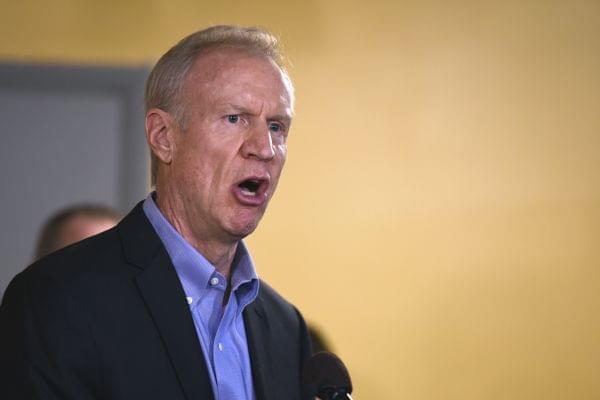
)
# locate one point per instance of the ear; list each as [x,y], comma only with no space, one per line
[160,134]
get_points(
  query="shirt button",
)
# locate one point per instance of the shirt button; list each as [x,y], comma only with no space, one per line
[220,346]
[189,300]
[214,281]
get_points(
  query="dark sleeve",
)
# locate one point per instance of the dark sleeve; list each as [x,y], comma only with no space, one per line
[305,344]
[45,344]
[305,350]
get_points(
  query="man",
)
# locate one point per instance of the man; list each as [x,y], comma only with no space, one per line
[167,305]
[73,224]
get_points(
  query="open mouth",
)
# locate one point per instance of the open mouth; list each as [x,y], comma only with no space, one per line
[250,187]
[252,191]
[253,186]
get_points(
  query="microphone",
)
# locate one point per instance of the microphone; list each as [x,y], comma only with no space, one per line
[326,376]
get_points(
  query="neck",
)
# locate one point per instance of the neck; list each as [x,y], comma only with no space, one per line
[218,251]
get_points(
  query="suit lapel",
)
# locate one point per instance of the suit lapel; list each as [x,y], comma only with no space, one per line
[258,333]
[161,290]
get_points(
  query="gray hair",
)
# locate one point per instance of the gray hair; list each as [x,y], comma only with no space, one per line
[165,82]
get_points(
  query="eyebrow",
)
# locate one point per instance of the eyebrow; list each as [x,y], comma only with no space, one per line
[245,110]
[281,117]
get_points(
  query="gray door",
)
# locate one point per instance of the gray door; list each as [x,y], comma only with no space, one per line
[68,135]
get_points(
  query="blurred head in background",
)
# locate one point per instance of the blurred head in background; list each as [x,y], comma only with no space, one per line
[72,224]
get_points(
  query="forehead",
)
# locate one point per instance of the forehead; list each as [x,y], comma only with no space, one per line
[233,72]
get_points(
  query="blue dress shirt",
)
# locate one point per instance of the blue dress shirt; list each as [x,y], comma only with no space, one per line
[220,327]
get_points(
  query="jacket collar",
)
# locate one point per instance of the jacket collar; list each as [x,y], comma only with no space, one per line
[258,333]
[164,297]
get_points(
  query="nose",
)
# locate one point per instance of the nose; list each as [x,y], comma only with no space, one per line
[259,144]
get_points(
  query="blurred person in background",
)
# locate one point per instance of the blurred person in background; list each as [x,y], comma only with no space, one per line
[168,304]
[72,224]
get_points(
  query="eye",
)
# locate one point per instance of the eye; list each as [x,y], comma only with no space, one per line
[234,118]
[276,127]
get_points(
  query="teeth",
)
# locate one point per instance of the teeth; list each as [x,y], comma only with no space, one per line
[250,187]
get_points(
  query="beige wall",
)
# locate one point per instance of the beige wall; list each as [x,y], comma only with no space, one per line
[440,212]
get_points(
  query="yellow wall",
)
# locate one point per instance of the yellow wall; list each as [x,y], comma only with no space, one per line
[440,212]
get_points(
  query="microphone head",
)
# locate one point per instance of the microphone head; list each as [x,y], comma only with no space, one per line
[326,376]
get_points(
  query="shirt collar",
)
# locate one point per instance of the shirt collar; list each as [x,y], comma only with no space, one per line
[193,269]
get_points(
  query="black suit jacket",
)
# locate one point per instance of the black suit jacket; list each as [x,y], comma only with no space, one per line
[107,318]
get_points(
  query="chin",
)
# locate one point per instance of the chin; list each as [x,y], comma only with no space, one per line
[240,232]
[240,228]
[242,222]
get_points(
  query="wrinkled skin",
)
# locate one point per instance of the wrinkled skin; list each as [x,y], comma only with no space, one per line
[238,110]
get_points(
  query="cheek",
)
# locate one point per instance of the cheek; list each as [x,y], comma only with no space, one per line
[189,183]
[279,162]
[282,151]
[192,171]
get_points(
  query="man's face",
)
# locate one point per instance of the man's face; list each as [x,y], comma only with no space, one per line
[227,160]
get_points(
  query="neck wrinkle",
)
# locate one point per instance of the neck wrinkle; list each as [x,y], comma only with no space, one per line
[220,254]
